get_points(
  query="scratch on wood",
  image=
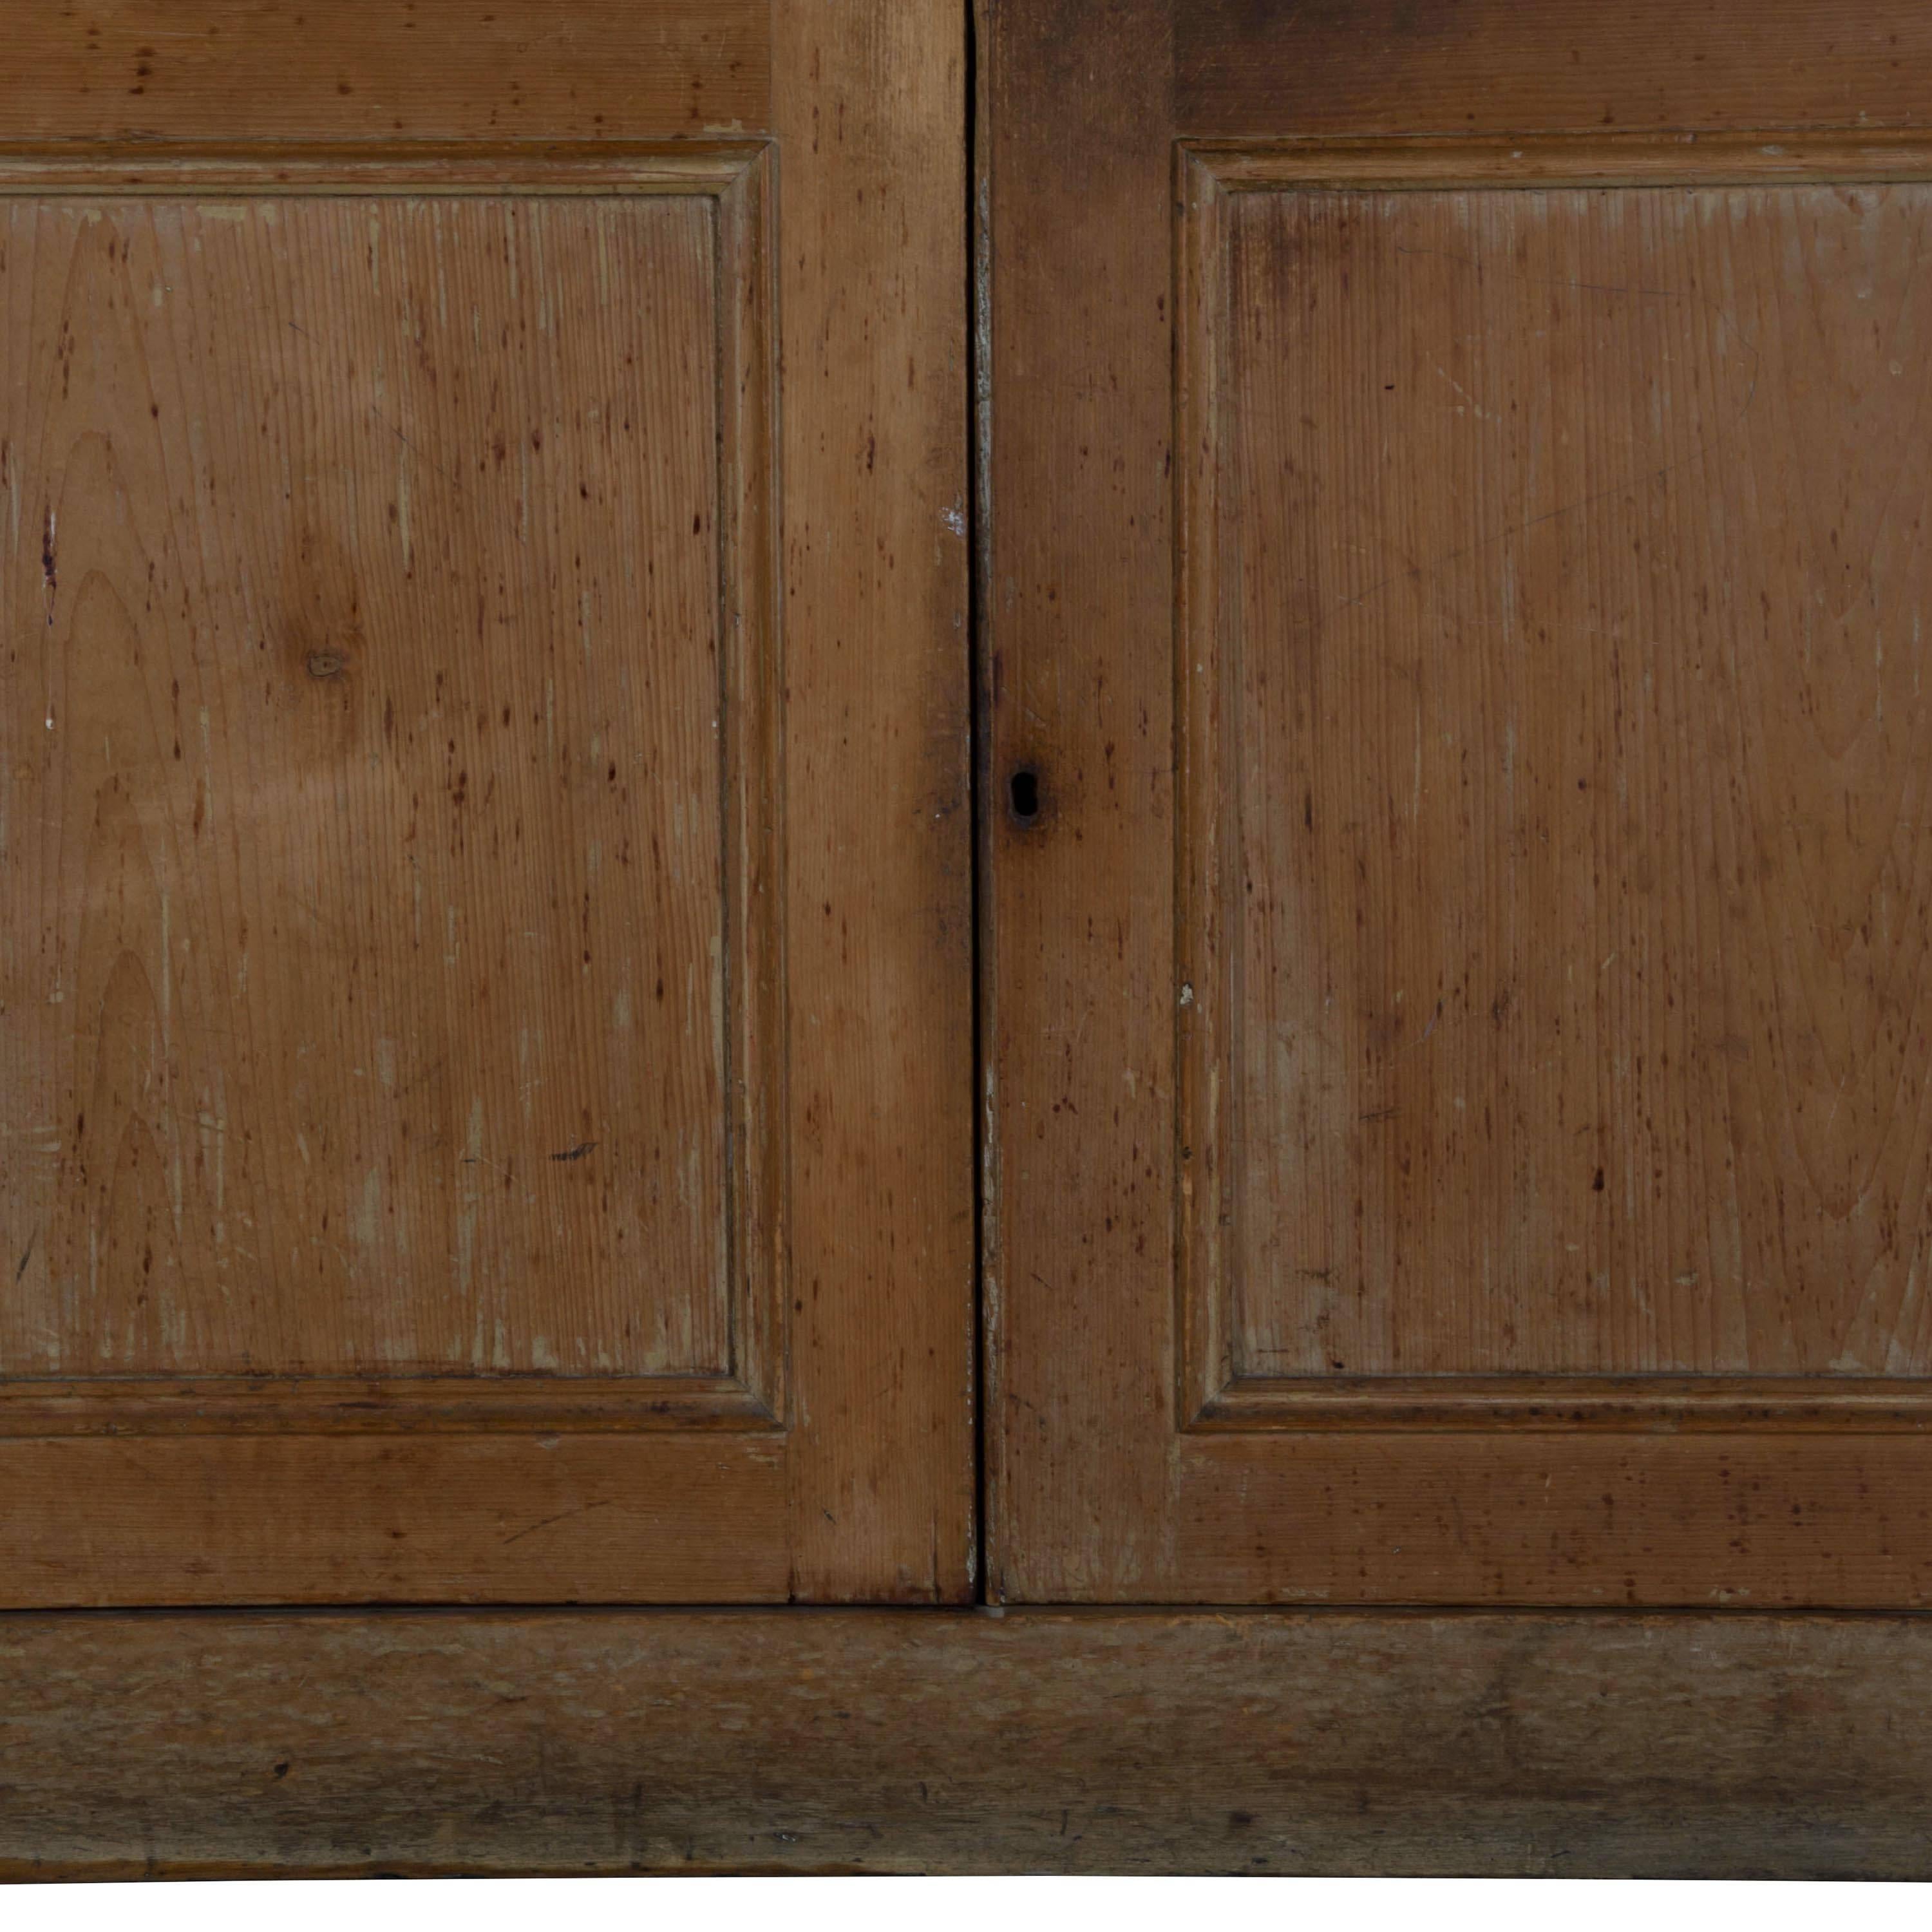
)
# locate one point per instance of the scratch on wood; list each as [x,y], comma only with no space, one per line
[582,1509]
[577,1153]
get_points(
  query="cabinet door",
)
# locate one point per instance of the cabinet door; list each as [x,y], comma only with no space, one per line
[1460,698]
[485,1093]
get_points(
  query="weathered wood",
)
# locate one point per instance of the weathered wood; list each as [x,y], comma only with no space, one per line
[482,825]
[1078,918]
[1554,853]
[1457,1018]
[871,120]
[376,1003]
[1349,66]
[280,71]
[857,1740]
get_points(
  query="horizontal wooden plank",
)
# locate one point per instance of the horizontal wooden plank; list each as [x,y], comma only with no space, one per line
[285,71]
[1820,1520]
[1493,66]
[802,1741]
[597,1518]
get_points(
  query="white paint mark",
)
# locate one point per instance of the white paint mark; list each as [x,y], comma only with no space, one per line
[365,1218]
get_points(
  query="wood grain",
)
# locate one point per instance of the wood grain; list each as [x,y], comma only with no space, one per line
[293,70]
[1078,932]
[1254,66]
[432,456]
[879,922]
[1747,832]
[1557,934]
[376,993]
[568,1517]
[883,1741]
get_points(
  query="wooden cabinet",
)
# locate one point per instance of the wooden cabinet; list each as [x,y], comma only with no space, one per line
[1456,1010]
[1110,817]
[488,1003]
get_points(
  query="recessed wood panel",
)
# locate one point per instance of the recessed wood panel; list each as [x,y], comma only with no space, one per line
[388,775]
[1556,999]
[395,1195]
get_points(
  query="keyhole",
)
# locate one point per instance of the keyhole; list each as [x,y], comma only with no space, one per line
[1023,793]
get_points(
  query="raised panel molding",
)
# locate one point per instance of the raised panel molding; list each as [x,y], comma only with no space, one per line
[1219,1387]
[742,1387]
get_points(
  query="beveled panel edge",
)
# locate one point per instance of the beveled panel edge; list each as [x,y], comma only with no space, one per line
[1204,1206]
[1212,1396]
[1607,160]
[1867,1406]
[531,1403]
[751,777]
[402,167]
[735,176]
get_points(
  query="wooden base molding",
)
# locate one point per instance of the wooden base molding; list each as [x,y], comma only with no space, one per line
[230,1744]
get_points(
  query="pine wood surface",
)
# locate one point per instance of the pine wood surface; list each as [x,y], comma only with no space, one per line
[1416,558]
[487,1072]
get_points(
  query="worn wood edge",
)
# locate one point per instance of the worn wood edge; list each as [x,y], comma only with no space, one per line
[405,167]
[989,1376]
[1203,1204]
[751,800]
[1567,1403]
[1580,1744]
[1631,161]
[277,1405]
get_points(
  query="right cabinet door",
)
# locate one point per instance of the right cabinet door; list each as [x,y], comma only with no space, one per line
[1458,654]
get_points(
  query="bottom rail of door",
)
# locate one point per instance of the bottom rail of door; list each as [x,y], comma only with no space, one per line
[216,1743]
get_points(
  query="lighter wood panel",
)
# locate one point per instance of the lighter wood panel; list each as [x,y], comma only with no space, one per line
[366,971]
[1570,959]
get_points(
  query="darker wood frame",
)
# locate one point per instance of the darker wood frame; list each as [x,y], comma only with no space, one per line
[228,1744]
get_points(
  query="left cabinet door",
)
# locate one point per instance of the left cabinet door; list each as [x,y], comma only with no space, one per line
[485,1087]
